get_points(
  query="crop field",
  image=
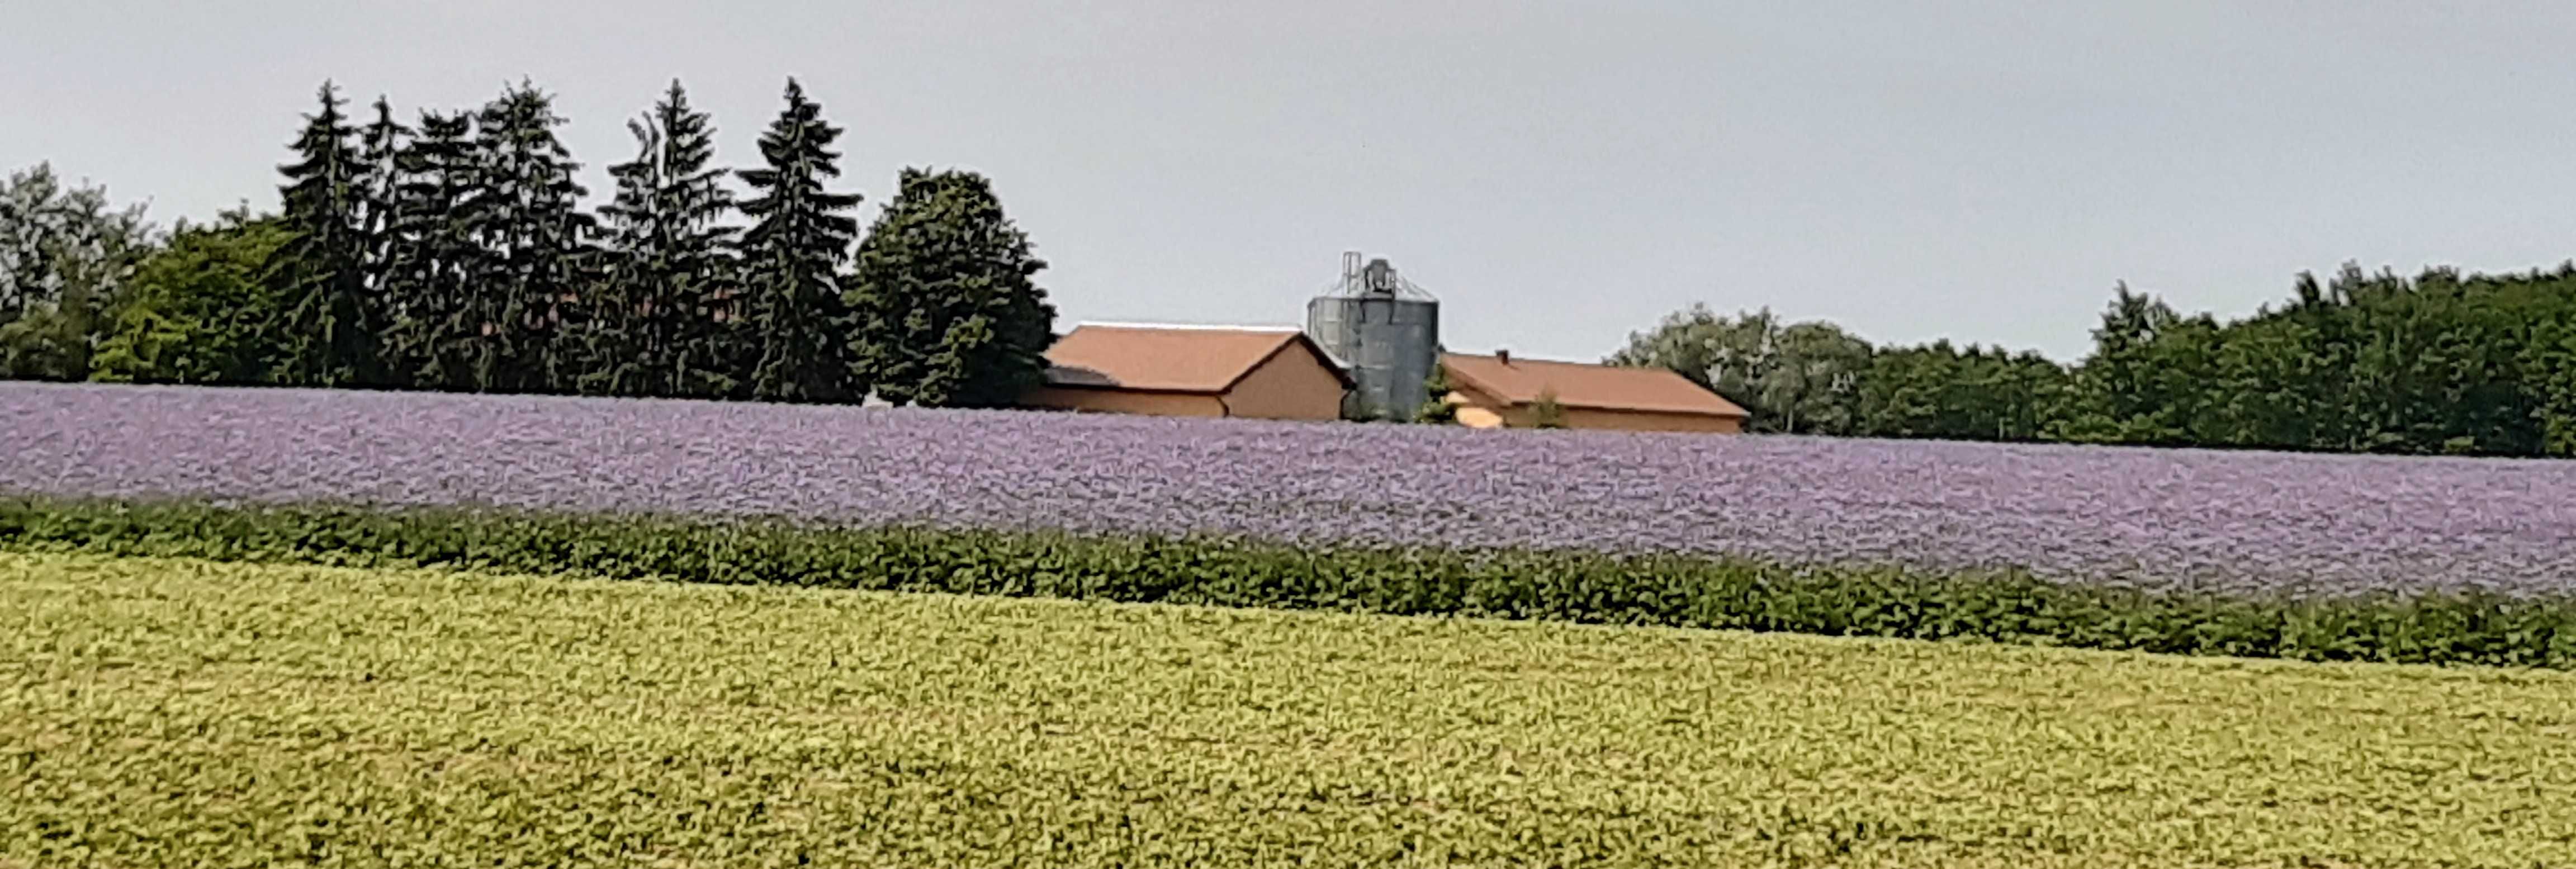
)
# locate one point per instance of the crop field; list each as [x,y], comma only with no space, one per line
[2321,558]
[173,712]
[2233,522]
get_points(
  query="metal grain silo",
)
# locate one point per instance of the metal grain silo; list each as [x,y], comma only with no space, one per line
[1385,331]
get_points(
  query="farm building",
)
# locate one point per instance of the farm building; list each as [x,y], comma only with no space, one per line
[1260,372]
[1499,391]
[1370,345]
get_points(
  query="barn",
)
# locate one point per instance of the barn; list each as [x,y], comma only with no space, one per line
[1499,391]
[1256,372]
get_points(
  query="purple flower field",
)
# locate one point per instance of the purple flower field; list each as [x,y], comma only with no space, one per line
[2315,524]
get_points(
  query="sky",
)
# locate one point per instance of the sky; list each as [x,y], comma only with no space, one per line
[1559,174]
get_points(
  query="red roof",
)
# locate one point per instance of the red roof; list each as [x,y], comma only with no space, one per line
[1205,359]
[1595,387]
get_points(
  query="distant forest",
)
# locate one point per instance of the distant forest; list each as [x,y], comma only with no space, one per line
[2443,363]
[451,250]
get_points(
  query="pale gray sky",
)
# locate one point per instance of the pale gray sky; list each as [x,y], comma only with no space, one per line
[1558,173]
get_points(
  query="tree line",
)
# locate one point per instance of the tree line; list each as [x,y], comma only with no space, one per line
[2439,363]
[452,251]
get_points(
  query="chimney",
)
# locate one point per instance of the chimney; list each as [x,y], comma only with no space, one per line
[1503,356]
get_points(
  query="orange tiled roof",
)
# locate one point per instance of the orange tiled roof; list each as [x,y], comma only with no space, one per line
[1597,387]
[1170,358]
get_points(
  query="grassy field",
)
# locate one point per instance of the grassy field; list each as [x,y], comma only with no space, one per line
[159,712]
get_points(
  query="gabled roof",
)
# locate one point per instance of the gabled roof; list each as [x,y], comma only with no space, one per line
[1595,387]
[1176,358]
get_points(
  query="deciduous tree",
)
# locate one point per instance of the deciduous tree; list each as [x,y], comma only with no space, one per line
[197,310]
[1792,377]
[949,313]
[64,253]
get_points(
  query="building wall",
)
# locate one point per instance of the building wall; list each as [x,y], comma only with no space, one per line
[1479,416]
[1291,384]
[1644,420]
[1124,401]
[1477,410]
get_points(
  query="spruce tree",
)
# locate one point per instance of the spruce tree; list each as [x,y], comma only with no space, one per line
[320,276]
[380,229]
[436,333]
[947,309]
[657,329]
[791,307]
[536,238]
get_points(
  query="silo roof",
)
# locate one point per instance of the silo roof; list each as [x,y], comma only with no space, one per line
[1171,358]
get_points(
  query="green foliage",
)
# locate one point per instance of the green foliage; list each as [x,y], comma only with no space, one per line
[1436,409]
[198,310]
[380,226]
[47,341]
[454,254]
[64,254]
[801,234]
[658,327]
[180,713]
[2439,364]
[436,339]
[537,253]
[1797,378]
[2461,628]
[1547,412]
[2549,366]
[948,311]
[330,323]
[1940,391]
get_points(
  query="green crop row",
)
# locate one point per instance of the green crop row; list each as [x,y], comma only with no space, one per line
[173,712]
[1668,590]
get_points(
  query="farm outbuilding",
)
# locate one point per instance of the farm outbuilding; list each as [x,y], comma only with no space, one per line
[1383,330]
[1258,372]
[1499,391]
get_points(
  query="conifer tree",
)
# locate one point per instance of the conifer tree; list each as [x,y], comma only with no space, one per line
[436,333]
[658,327]
[329,325]
[947,311]
[536,241]
[792,310]
[380,229]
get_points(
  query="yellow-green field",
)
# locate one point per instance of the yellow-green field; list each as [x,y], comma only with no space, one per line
[164,713]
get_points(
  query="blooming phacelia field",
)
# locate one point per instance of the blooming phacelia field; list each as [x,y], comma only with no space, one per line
[2251,520]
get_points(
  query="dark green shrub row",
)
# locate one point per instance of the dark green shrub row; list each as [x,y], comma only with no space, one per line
[1650,590]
